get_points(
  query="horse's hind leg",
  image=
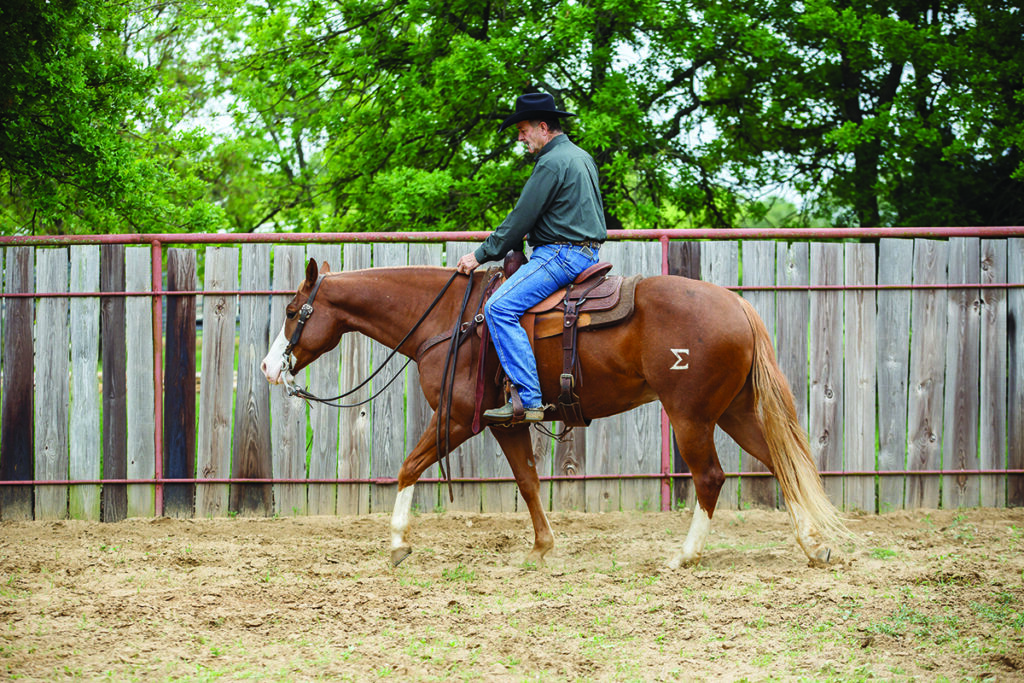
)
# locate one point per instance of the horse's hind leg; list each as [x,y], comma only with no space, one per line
[740,421]
[518,448]
[419,459]
[697,446]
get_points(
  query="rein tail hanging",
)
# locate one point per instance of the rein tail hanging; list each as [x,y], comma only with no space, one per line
[444,405]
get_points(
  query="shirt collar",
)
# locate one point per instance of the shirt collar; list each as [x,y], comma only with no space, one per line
[554,142]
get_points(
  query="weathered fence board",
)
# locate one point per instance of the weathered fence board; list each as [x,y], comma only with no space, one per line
[16,448]
[793,307]
[356,427]
[115,383]
[1015,357]
[859,380]
[544,458]
[179,383]
[720,264]
[213,454]
[388,446]
[324,380]
[963,350]
[85,444]
[251,452]
[826,374]
[759,271]
[52,368]
[641,426]
[569,460]
[992,407]
[418,410]
[924,411]
[895,263]
[606,436]
[140,391]
[287,413]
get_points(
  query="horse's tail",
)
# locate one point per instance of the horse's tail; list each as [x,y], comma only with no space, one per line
[787,441]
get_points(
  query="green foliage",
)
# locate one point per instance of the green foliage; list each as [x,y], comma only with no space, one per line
[72,155]
[357,115]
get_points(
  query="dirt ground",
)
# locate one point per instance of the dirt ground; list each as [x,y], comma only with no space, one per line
[926,595]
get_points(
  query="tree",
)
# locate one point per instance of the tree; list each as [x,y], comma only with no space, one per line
[70,157]
[358,114]
[370,115]
[901,112]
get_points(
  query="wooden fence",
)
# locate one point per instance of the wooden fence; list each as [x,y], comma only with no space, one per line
[905,355]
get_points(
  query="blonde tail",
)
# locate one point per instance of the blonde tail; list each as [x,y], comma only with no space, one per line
[787,441]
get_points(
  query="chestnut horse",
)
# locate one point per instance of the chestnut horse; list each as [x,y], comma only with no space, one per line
[698,348]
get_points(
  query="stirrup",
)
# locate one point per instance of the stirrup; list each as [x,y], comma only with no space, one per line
[507,413]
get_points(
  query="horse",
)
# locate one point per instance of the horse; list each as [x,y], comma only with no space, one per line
[730,378]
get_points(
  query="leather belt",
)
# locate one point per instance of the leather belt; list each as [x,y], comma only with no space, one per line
[592,244]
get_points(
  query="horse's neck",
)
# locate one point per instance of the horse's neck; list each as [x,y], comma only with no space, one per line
[385,303]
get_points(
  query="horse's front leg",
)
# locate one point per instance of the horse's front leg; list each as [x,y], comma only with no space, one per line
[419,459]
[518,448]
[400,517]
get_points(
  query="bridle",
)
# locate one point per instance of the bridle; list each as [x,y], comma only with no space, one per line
[304,314]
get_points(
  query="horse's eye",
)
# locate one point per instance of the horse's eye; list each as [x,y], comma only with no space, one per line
[290,314]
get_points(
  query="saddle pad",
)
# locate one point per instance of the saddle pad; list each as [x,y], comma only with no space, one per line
[549,322]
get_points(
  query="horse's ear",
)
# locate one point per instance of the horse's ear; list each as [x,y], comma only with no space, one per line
[311,272]
[325,268]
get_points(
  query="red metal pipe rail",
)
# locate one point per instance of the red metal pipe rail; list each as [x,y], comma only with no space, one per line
[642,234]
[158,241]
[487,480]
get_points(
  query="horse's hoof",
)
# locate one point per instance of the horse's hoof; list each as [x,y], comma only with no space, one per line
[399,554]
[533,560]
[680,561]
[822,558]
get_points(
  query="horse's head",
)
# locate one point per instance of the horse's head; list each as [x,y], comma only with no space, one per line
[309,330]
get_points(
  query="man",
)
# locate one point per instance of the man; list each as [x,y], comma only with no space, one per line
[561,215]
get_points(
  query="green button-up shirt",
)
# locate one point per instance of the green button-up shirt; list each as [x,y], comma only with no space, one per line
[561,202]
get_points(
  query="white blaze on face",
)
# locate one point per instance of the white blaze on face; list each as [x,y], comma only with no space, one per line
[273,364]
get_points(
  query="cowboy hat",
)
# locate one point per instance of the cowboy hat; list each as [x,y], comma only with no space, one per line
[533,106]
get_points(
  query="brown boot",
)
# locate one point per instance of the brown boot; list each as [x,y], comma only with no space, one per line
[506,414]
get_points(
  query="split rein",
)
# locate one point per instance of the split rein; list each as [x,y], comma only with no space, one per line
[459,334]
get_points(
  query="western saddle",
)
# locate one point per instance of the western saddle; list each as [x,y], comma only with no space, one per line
[593,299]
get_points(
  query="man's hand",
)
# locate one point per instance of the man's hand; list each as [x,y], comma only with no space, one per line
[467,264]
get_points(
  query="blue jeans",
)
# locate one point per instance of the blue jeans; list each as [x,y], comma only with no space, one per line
[550,268]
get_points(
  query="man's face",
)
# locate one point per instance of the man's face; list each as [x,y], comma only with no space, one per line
[534,136]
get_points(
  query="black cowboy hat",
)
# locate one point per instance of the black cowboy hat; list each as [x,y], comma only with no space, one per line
[533,106]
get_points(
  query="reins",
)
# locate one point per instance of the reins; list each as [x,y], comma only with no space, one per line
[307,310]
[458,335]
[460,332]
